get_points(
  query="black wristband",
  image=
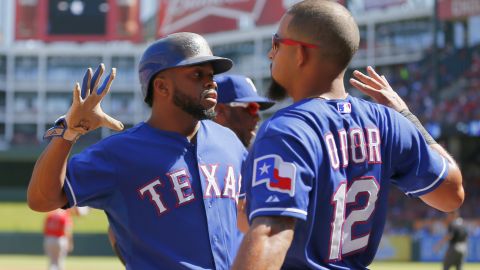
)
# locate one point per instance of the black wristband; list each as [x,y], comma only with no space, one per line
[410,116]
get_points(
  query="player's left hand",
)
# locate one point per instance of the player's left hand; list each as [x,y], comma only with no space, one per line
[85,114]
[378,88]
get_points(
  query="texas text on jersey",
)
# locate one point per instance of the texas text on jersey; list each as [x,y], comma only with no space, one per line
[177,192]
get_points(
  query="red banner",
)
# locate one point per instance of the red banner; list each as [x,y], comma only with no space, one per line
[26,17]
[210,16]
[80,21]
[451,9]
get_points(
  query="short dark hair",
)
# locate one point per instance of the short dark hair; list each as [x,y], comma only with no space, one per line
[328,24]
[149,96]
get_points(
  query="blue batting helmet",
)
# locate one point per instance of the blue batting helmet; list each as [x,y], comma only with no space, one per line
[177,50]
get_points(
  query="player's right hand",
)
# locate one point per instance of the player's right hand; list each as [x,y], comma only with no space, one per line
[85,114]
[378,88]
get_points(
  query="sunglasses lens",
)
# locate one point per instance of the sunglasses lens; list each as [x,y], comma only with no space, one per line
[253,108]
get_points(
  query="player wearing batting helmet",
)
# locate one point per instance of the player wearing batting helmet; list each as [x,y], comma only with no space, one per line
[318,174]
[169,185]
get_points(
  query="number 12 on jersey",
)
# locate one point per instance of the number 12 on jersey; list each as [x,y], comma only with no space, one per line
[341,241]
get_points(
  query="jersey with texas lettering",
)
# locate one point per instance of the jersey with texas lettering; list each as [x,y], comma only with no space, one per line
[329,163]
[170,203]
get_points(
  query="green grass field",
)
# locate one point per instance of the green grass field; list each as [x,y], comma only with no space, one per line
[417,266]
[9,262]
[16,262]
[22,219]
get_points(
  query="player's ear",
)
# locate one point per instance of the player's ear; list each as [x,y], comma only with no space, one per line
[222,113]
[161,86]
[301,56]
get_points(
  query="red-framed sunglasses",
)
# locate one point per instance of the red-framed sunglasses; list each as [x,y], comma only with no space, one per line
[252,108]
[276,40]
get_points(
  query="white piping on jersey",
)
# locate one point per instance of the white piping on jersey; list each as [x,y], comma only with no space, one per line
[71,191]
[434,182]
[294,210]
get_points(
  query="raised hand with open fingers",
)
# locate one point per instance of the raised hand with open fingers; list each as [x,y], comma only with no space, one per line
[86,114]
[378,88]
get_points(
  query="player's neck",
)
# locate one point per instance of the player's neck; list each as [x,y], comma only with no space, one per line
[320,89]
[179,122]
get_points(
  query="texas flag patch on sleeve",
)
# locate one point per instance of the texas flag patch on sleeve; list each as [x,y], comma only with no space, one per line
[276,174]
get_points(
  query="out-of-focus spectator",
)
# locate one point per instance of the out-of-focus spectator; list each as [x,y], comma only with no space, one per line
[58,240]
[457,242]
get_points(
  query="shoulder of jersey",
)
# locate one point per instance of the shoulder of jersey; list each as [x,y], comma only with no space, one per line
[291,119]
[370,104]
[219,130]
[112,139]
[299,110]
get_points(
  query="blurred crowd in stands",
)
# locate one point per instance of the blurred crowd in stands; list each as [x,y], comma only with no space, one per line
[411,215]
[451,107]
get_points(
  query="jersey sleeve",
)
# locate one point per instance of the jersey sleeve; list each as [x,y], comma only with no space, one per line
[278,177]
[418,169]
[90,178]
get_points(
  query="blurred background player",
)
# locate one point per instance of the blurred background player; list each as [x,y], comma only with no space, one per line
[239,105]
[58,240]
[457,241]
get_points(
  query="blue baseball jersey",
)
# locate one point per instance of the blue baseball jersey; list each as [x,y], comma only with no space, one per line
[329,163]
[171,203]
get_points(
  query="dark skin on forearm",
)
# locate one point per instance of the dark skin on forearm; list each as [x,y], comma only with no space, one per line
[266,243]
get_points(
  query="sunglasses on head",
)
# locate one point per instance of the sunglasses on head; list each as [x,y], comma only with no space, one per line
[251,107]
[276,40]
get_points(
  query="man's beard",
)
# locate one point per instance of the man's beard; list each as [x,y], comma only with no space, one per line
[195,109]
[276,91]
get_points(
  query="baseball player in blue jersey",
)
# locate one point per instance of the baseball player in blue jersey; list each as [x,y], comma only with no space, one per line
[169,185]
[318,174]
[239,105]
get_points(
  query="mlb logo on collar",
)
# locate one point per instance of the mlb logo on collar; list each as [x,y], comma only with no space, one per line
[344,107]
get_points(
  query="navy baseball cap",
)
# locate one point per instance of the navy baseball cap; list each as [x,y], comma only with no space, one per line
[237,88]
